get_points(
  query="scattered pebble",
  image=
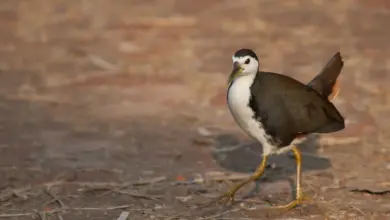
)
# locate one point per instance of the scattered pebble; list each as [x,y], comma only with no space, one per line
[123,216]
[184,198]
[158,207]
[148,172]
[198,178]
[204,131]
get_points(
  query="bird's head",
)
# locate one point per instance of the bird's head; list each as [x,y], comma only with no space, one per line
[245,62]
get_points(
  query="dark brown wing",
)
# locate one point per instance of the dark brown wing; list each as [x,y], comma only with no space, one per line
[288,108]
[326,82]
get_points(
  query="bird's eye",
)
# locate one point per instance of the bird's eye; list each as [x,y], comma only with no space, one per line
[247,61]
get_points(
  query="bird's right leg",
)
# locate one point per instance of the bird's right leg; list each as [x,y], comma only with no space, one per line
[229,195]
[300,197]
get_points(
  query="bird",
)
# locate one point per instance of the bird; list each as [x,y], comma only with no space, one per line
[279,111]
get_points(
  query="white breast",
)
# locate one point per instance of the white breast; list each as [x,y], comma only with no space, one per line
[238,102]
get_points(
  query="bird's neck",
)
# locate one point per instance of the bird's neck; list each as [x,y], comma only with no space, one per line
[245,80]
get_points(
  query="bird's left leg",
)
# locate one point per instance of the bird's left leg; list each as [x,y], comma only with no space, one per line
[229,195]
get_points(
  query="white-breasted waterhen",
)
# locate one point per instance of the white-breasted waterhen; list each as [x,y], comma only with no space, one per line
[278,111]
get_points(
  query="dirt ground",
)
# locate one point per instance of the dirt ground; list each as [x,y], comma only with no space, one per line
[111,107]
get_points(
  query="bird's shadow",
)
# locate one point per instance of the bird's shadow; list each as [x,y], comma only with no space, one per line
[244,156]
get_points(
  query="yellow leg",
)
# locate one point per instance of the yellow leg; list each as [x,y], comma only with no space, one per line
[229,195]
[299,193]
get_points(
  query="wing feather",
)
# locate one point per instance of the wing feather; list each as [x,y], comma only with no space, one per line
[293,109]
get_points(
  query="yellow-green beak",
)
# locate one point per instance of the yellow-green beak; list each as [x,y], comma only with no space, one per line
[235,72]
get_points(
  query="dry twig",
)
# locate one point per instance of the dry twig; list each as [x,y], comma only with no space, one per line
[222,213]
[138,195]
[357,209]
[17,215]
[149,181]
[55,197]
[59,216]
[97,208]
[221,176]
[110,185]
[42,214]
[9,193]
[101,63]
[123,216]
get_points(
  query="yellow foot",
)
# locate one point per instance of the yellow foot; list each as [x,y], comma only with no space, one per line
[228,197]
[288,206]
[306,199]
[301,199]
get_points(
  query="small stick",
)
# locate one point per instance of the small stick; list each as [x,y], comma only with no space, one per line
[220,176]
[43,213]
[59,216]
[109,185]
[137,195]
[357,209]
[123,216]
[55,197]
[100,62]
[223,213]
[149,181]
[16,215]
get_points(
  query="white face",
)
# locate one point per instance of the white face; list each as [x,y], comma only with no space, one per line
[249,65]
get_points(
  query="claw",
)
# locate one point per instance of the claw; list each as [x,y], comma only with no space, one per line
[229,196]
[306,199]
[301,199]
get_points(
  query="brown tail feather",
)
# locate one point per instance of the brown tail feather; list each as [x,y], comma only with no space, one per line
[335,90]
[326,82]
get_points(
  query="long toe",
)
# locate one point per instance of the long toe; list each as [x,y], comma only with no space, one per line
[227,197]
[305,199]
[302,199]
[288,206]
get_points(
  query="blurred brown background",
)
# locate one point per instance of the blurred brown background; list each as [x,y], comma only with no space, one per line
[98,91]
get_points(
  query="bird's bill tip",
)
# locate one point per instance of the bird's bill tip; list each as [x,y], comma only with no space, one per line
[235,72]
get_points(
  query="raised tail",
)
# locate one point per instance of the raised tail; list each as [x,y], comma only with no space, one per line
[326,82]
